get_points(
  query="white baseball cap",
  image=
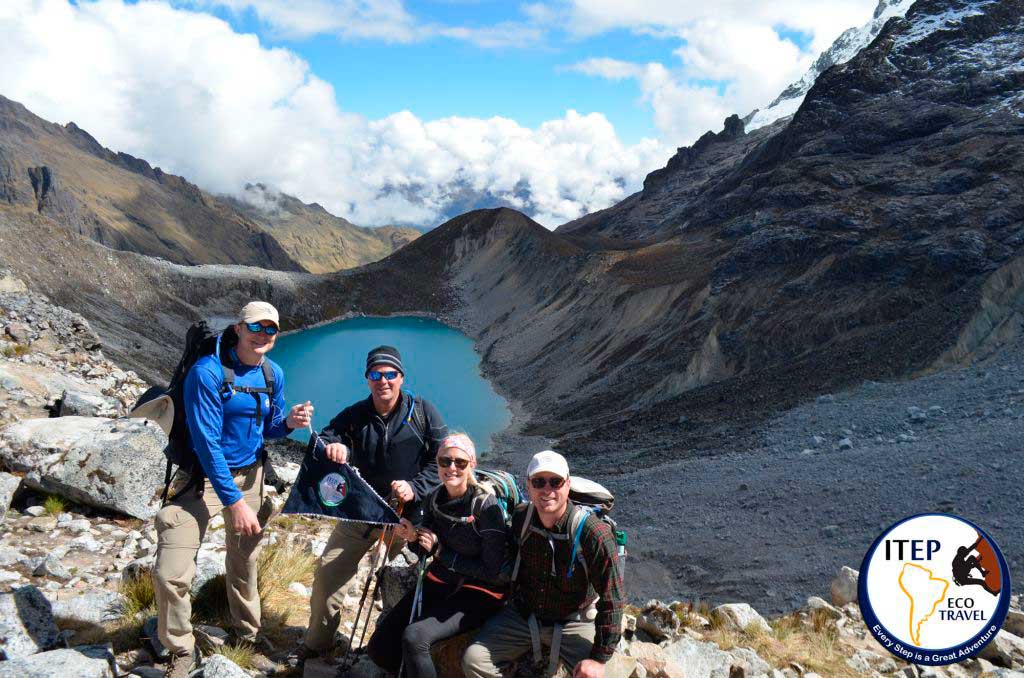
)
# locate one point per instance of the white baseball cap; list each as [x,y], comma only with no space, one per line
[255,311]
[549,461]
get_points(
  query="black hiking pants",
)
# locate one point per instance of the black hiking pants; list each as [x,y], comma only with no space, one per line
[447,612]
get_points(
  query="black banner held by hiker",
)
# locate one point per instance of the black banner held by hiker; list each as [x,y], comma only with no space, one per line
[326,488]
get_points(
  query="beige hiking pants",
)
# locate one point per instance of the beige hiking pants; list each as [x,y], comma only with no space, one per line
[506,636]
[181,526]
[346,546]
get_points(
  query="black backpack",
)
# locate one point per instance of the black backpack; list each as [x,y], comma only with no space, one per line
[199,342]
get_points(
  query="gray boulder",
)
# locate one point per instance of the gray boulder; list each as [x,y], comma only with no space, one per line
[698,659]
[8,486]
[844,587]
[1006,650]
[83,661]
[18,332]
[52,567]
[10,556]
[85,404]
[219,666]
[210,563]
[96,607]
[396,579]
[660,622]
[26,623]
[740,617]
[109,463]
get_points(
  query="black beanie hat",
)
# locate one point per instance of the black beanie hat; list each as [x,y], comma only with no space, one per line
[384,355]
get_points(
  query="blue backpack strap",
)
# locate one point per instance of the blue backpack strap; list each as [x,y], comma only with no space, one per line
[581,516]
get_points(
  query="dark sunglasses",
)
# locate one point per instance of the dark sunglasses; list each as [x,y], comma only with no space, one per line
[445,462]
[256,328]
[539,482]
[377,375]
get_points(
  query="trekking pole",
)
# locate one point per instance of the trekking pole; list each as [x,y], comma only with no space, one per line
[376,584]
[379,555]
[416,609]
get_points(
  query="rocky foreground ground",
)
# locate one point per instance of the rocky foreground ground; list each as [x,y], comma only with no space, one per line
[79,486]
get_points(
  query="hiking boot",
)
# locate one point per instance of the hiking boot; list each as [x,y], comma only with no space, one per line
[297,658]
[182,665]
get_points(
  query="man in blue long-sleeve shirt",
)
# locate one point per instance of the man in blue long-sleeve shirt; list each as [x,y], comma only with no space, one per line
[227,427]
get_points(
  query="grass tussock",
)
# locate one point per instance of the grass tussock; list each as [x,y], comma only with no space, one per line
[10,350]
[124,632]
[54,505]
[242,654]
[139,597]
[811,641]
[692,614]
[278,566]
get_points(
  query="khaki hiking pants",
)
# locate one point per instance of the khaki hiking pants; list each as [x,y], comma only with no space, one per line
[506,636]
[181,526]
[346,546]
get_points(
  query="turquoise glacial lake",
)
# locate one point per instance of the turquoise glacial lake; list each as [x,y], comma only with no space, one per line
[326,364]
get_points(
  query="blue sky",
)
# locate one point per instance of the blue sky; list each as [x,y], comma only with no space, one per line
[393,111]
[439,77]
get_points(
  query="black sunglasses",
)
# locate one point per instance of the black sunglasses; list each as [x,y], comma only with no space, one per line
[539,482]
[256,328]
[446,462]
[377,375]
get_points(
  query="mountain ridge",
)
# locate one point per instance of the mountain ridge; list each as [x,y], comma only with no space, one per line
[124,202]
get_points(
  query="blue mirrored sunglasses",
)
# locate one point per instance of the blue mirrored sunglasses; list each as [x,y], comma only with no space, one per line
[377,375]
[256,328]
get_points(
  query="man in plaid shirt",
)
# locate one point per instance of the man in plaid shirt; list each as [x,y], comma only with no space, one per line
[570,604]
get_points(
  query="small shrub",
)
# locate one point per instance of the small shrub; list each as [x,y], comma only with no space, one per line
[55,505]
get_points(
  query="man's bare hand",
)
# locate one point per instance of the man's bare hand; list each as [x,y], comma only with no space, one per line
[405,530]
[588,668]
[300,416]
[337,452]
[243,519]
[402,490]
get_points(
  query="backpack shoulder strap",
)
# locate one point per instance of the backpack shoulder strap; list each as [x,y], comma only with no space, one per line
[522,538]
[576,525]
[418,417]
[229,378]
[268,376]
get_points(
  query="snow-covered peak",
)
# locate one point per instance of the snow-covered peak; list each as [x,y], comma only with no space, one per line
[842,50]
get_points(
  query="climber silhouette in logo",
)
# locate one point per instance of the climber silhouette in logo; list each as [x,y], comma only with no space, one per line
[965,562]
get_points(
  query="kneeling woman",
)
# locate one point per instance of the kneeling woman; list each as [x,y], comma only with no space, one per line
[466,582]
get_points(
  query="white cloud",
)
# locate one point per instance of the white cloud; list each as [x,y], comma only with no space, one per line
[609,69]
[504,34]
[385,20]
[381,19]
[182,90]
[733,57]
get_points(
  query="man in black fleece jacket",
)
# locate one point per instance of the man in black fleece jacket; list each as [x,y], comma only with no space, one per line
[392,438]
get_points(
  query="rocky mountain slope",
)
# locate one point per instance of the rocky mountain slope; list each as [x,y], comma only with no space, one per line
[312,236]
[124,203]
